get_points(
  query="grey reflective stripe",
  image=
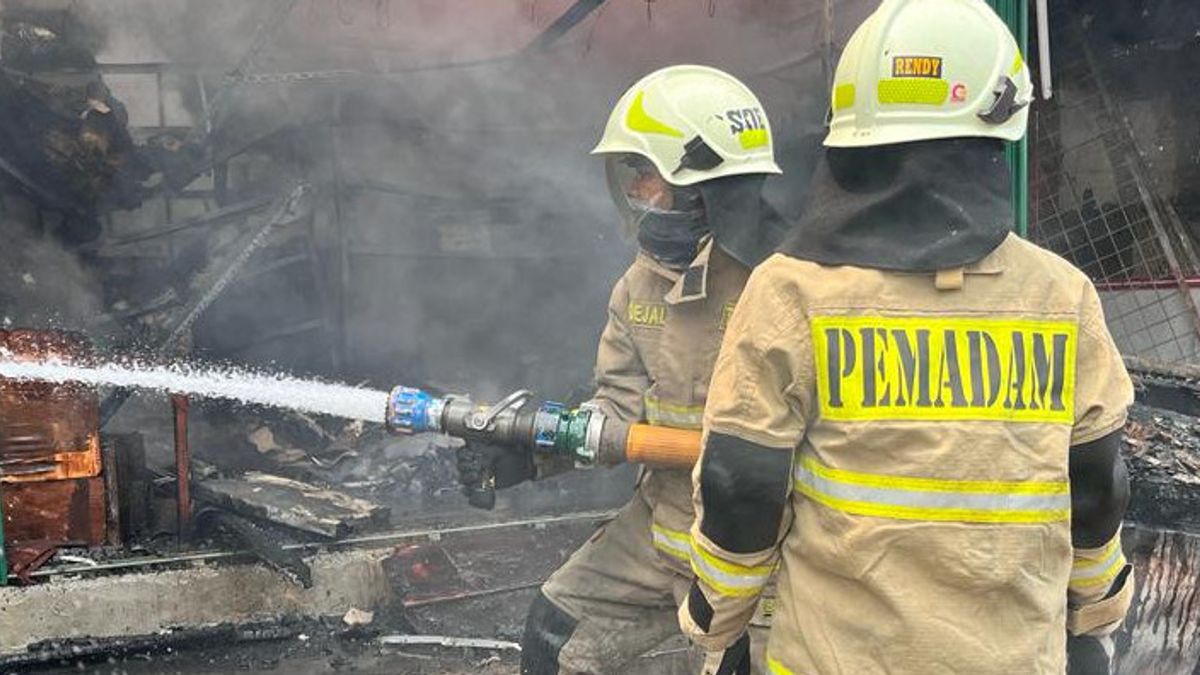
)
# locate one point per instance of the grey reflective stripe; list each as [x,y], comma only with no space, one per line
[734,579]
[1099,571]
[663,413]
[671,542]
[893,497]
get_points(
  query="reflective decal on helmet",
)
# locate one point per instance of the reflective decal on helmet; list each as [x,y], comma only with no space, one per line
[637,119]
[898,91]
[843,96]
[749,125]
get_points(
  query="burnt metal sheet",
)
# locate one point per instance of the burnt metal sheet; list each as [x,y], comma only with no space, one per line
[47,431]
[59,510]
[292,503]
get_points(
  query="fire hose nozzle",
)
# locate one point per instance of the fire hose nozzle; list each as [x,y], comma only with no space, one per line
[413,411]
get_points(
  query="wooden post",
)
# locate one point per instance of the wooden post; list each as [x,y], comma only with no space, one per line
[183,474]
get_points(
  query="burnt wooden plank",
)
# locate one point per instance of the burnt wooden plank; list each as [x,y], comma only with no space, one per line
[1162,632]
[132,484]
[112,499]
[292,503]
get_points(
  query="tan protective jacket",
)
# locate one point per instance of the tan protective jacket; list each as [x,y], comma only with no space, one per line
[654,362]
[928,419]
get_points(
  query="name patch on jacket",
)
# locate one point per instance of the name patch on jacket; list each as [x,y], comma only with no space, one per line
[726,314]
[890,368]
[647,314]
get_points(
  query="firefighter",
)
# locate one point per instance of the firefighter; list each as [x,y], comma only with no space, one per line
[687,150]
[915,413]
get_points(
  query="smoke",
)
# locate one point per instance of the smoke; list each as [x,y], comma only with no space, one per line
[42,284]
[463,239]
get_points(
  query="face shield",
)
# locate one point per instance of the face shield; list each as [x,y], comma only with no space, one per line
[639,192]
[667,220]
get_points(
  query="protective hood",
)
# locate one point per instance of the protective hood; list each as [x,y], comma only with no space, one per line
[917,207]
[743,224]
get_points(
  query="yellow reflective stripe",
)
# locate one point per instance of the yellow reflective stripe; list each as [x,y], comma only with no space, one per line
[637,119]
[1090,572]
[777,668]
[730,579]
[673,415]
[843,96]
[753,138]
[672,542]
[932,499]
[913,90]
[1018,62]
[935,484]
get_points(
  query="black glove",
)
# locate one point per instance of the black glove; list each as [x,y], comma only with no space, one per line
[1087,655]
[484,468]
[735,660]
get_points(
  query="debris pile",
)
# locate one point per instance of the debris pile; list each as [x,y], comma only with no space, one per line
[362,459]
[1163,445]
[1162,450]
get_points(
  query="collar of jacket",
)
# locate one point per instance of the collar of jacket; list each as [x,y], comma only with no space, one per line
[690,283]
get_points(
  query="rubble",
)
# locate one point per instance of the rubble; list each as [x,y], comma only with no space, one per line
[358,617]
[1162,450]
[290,502]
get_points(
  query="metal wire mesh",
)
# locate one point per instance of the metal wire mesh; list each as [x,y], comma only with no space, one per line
[1094,203]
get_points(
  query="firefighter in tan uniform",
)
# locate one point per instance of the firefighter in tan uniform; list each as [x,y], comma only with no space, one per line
[915,413]
[687,150]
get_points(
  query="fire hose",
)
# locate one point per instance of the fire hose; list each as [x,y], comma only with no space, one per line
[583,435]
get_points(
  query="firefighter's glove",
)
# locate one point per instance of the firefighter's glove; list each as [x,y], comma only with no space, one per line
[1089,655]
[734,660]
[483,468]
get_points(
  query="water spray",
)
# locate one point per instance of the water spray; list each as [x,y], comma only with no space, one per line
[583,435]
[243,386]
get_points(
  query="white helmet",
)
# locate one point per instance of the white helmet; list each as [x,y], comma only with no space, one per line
[919,70]
[694,123]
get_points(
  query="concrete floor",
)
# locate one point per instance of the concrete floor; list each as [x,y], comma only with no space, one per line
[482,562]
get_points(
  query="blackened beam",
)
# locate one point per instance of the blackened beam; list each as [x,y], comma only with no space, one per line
[266,29]
[215,217]
[42,194]
[563,24]
[378,539]
[216,277]
[264,545]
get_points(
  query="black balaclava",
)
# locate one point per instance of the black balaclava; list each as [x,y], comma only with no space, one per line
[916,207]
[673,236]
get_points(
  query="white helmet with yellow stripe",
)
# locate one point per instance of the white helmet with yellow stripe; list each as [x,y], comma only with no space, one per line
[919,70]
[694,123]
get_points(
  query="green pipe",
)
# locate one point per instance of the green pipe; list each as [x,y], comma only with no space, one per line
[1015,13]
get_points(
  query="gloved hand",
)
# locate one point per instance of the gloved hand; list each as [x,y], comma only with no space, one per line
[1089,655]
[484,468]
[735,660]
